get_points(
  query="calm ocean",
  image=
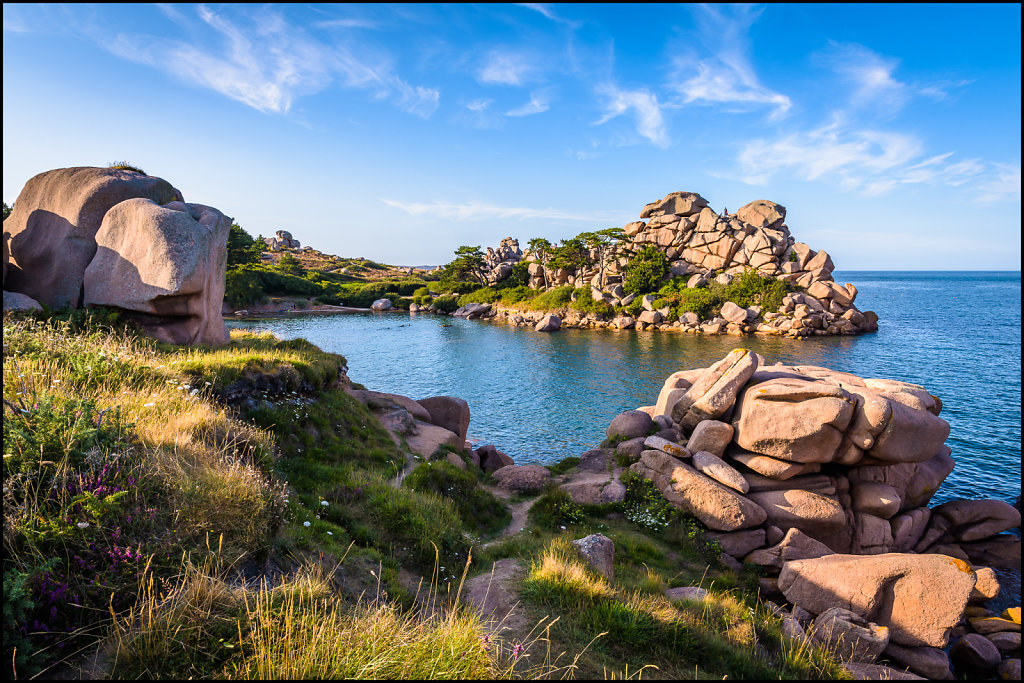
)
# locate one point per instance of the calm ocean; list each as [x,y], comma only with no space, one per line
[543,397]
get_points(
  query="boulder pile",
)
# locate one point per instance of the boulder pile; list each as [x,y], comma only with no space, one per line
[106,236]
[282,240]
[499,262]
[823,479]
[705,246]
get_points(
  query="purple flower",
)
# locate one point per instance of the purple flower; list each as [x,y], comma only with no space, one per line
[517,650]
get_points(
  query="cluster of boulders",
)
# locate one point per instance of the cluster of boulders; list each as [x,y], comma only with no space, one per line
[282,240]
[90,236]
[823,479]
[704,246]
[500,262]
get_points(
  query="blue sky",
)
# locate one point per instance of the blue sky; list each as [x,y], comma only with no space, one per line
[398,133]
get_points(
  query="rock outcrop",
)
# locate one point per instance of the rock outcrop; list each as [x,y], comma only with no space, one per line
[704,246]
[837,472]
[166,262]
[105,236]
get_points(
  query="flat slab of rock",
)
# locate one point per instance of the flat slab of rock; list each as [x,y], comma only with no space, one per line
[662,444]
[522,478]
[815,514]
[919,597]
[717,506]
[428,438]
[722,472]
[773,468]
[862,671]
[973,520]
[796,545]
[738,543]
[595,460]
[694,593]
[715,391]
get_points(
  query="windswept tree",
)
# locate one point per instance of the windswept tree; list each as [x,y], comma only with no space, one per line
[570,253]
[468,265]
[603,241]
[289,265]
[540,248]
[7,210]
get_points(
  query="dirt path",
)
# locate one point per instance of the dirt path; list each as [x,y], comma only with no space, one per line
[519,512]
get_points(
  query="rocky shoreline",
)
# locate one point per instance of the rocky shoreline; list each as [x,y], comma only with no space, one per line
[820,479]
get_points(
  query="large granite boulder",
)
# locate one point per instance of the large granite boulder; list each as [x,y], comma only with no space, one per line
[54,223]
[918,597]
[762,213]
[630,425]
[166,262]
[450,412]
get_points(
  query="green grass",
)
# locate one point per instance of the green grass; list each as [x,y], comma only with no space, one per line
[479,509]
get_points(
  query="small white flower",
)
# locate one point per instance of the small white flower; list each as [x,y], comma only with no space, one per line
[285,501]
[193,392]
[83,525]
[324,503]
[329,533]
[148,405]
[305,524]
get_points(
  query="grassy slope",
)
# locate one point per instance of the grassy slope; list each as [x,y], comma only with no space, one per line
[237,505]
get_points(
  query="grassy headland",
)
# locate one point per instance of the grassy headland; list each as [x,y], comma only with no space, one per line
[233,512]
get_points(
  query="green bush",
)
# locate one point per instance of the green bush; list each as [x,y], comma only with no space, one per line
[585,303]
[645,271]
[699,300]
[447,303]
[484,295]
[252,283]
[559,297]
[555,510]
[479,509]
[514,295]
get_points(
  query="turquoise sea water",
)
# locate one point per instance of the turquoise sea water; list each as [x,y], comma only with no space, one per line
[543,397]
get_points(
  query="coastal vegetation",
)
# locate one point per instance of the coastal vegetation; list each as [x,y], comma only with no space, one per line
[461,282]
[175,511]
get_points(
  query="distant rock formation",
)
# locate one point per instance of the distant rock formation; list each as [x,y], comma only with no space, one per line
[283,240]
[499,262]
[706,246]
[103,236]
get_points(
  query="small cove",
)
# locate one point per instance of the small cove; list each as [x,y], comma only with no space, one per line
[543,397]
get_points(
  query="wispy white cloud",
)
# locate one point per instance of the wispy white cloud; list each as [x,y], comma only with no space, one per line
[478,211]
[536,105]
[268,64]
[874,79]
[1004,186]
[650,123]
[547,10]
[726,76]
[347,23]
[872,162]
[479,105]
[504,68]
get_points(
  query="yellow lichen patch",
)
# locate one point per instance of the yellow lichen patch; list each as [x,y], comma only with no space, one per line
[961,565]
[1012,613]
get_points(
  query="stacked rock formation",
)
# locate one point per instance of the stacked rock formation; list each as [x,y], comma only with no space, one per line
[499,262]
[282,240]
[103,236]
[704,246]
[823,479]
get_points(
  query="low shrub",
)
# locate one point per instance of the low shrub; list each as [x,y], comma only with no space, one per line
[556,510]
[479,509]
[645,271]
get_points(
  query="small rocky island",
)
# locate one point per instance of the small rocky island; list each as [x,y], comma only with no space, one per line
[703,247]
